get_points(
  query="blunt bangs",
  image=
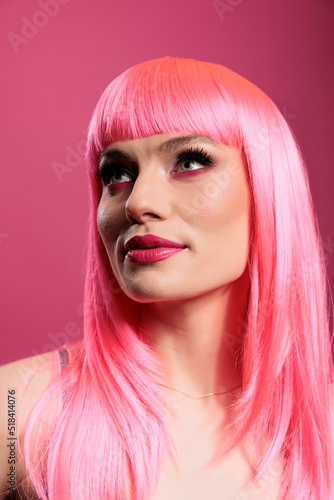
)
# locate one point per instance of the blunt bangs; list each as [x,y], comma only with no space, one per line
[167,95]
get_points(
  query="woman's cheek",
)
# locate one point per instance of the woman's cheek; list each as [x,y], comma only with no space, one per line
[201,200]
[108,226]
[222,209]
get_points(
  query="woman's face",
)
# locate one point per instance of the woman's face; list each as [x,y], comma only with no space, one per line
[186,189]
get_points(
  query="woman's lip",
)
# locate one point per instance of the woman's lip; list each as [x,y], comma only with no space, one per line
[148,255]
[151,241]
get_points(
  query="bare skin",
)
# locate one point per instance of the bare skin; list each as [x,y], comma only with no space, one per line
[192,303]
[194,433]
[29,377]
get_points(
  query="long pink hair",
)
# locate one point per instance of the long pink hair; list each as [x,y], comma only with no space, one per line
[112,431]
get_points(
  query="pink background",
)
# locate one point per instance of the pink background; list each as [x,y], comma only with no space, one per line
[51,80]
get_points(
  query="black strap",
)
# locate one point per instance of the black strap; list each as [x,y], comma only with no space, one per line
[64,359]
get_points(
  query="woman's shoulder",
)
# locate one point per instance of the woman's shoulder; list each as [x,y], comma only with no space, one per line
[33,375]
[19,373]
[22,383]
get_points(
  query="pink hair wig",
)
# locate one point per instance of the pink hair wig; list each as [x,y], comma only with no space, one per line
[112,436]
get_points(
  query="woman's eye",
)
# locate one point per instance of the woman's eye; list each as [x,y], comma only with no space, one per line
[193,159]
[112,175]
[120,176]
[186,165]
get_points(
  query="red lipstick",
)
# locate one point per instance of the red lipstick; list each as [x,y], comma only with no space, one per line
[150,248]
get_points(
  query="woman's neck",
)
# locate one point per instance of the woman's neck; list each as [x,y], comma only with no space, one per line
[198,338]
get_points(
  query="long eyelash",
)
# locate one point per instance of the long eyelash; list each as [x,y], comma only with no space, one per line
[197,154]
[104,172]
[106,169]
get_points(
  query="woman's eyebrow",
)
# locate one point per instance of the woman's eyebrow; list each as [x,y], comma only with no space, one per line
[164,148]
[177,142]
[115,155]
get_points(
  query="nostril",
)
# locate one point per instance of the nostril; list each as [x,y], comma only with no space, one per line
[141,218]
[131,218]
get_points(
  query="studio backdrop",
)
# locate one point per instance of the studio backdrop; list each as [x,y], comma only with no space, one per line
[57,56]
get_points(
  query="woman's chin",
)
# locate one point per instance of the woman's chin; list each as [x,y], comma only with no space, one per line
[145,296]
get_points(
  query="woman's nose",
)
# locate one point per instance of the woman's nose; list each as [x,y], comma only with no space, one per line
[149,198]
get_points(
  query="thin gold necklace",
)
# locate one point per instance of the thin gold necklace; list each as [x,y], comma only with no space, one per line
[199,396]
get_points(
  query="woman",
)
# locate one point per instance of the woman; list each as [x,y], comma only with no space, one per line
[205,371]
